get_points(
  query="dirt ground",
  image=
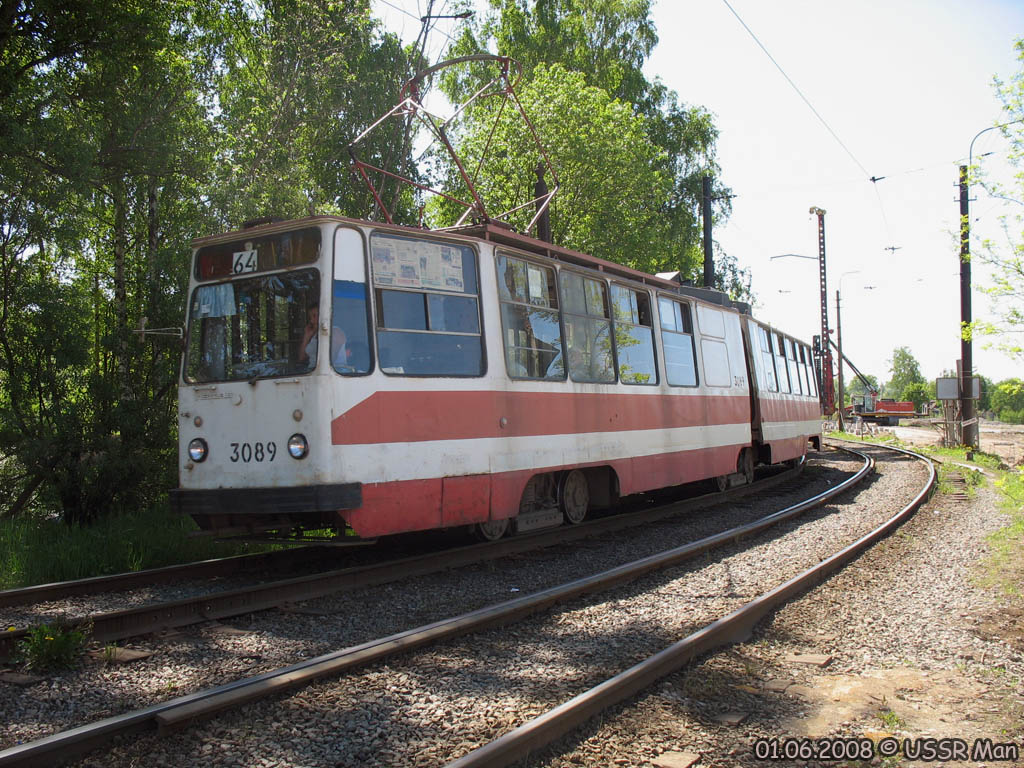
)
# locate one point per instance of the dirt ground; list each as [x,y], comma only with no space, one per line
[1003,440]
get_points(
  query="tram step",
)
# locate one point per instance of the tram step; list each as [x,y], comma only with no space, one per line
[539,518]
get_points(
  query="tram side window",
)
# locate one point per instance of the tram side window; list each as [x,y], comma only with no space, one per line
[677,340]
[812,379]
[530,324]
[428,307]
[780,364]
[634,336]
[802,354]
[794,368]
[768,359]
[588,328]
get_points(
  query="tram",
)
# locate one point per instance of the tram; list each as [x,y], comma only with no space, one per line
[383,379]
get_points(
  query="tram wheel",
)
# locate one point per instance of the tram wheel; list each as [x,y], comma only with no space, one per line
[492,530]
[721,483]
[574,497]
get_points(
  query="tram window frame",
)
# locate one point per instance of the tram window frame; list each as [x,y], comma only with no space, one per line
[258,254]
[802,353]
[768,359]
[685,319]
[583,360]
[388,285]
[780,354]
[794,367]
[640,310]
[528,290]
[812,377]
[357,334]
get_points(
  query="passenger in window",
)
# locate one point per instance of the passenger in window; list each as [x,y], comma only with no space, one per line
[348,355]
[340,352]
[307,349]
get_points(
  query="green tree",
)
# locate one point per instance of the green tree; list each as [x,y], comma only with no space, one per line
[611,184]
[608,41]
[1006,259]
[918,393]
[985,401]
[110,132]
[904,370]
[130,128]
[1008,400]
[298,80]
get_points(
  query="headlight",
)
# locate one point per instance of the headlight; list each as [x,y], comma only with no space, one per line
[297,446]
[197,450]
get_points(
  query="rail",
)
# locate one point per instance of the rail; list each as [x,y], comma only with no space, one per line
[179,712]
[735,627]
[131,622]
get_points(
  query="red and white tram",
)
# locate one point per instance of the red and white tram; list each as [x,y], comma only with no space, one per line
[391,379]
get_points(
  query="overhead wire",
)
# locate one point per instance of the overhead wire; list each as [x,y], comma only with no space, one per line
[798,91]
[872,178]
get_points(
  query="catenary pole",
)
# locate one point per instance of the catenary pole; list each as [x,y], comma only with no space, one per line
[709,259]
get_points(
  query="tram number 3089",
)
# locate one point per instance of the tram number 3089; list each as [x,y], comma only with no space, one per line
[248,452]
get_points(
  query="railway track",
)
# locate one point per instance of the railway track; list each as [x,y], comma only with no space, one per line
[171,715]
[214,568]
[736,626]
[113,626]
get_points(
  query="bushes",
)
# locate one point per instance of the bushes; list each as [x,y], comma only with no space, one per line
[39,550]
[1011,416]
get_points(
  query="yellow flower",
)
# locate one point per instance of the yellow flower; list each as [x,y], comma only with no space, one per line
[11,629]
[49,637]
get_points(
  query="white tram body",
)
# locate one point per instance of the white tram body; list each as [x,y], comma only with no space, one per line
[462,378]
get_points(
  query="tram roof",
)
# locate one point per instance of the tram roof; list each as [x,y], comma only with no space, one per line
[502,235]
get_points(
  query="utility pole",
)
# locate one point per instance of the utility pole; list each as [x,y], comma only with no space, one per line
[839,362]
[705,206]
[827,389]
[969,430]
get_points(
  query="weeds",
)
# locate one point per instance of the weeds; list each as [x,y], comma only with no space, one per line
[52,646]
[890,720]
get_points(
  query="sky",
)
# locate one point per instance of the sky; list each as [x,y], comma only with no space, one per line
[903,86]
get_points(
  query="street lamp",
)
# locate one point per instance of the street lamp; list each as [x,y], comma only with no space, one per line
[968,422]
[825,390]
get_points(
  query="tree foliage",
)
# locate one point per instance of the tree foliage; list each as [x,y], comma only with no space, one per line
[1008,400]
[607,43]
[905,371]
[612,176]
[130,128]
[1006,259]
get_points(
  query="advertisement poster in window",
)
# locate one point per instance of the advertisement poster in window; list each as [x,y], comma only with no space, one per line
[451,259]
[384,266]
[431,272]
[408,265]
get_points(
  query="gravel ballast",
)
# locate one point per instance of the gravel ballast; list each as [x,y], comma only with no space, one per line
[432,706]
[207,655]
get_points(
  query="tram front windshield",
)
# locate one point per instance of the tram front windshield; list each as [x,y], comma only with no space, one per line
[254,327]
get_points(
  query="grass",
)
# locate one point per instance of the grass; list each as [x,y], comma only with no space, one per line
[44,550]
[1006,564]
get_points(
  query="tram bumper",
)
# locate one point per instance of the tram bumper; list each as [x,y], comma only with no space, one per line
[217,507]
